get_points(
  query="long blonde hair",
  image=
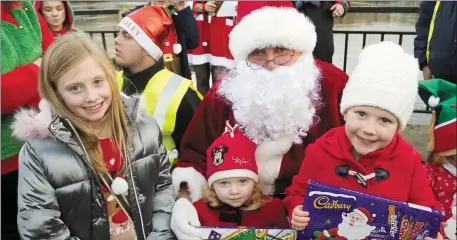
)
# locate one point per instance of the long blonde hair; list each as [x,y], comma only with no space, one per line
[64,54]
[254,202]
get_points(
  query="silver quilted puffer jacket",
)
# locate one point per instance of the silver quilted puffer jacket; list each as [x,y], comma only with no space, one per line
[59,195]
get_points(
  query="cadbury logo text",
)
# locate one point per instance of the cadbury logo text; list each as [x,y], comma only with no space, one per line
[323,202]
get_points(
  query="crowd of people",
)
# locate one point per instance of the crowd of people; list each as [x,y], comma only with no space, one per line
[89,152]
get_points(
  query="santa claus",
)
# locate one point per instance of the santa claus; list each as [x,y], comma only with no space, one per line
[279,95]
[353,227]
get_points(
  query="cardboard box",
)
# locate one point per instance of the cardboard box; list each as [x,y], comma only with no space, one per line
[336,211]
[215,233]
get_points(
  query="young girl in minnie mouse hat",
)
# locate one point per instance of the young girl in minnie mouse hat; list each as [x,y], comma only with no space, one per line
[233,197]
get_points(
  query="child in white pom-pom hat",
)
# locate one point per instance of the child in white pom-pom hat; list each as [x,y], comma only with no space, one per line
[368,154]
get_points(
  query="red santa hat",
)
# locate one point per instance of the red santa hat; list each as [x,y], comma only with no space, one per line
[150,26]
[365,214]
[231,155]
[270,23]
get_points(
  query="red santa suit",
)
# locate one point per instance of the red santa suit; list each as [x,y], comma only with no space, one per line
[201,54]
[220,28]
[271,214]
[209,119]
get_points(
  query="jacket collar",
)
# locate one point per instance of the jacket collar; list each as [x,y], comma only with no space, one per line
[138,81]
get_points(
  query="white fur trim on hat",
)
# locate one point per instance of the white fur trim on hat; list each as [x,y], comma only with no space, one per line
[385,77]
[233,173]
[141,37]
[272,26]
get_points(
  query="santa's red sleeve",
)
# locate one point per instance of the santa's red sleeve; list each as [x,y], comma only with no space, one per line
[333,81]
[295,193]
[421,190]
[208,123]
[20,86]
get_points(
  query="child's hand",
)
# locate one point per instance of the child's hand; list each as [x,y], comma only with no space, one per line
[300,218]
[439,236]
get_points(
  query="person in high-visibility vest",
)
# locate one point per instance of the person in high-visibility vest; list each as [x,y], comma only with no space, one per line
[170,98]
[435,44]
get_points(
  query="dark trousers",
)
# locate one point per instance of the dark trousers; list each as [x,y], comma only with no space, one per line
[9,206]
[323,21]
[202,73]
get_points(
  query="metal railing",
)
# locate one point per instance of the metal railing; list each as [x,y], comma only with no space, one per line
[368,9]
[346,34]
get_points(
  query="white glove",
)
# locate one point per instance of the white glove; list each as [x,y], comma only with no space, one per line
[184,219]
[275,148]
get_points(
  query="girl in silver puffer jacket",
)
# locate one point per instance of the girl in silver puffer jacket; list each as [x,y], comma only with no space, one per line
[93,165]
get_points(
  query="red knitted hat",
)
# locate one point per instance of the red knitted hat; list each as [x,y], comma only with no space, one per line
[231,155]
[150,26]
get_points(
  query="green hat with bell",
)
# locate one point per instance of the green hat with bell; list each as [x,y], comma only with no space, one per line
[440,95]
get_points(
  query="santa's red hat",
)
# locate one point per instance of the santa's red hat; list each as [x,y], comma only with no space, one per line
[231,155]
[270,23]
[365,214]
[150,26]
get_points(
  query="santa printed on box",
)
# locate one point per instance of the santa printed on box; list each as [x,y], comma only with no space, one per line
[280,96]
[353,227]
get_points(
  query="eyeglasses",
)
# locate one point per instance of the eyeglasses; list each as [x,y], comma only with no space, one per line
[278,60]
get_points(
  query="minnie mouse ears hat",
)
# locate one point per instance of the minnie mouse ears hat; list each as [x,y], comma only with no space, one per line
[231,155]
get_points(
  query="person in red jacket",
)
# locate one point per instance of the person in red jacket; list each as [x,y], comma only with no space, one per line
[281,97]
[25,37]
[368,154]
[58,15]
[233,197]
[440,95]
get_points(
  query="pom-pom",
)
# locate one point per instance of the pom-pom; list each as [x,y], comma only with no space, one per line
[177,48]
[119,186]
[433,101]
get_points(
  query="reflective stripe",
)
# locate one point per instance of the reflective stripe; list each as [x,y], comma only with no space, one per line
[163,95]
[164,100]
[431,28]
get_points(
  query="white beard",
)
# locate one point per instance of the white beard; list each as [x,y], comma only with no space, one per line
[270,104]
[355,232]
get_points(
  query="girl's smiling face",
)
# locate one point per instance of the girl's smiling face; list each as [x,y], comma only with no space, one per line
[369,128]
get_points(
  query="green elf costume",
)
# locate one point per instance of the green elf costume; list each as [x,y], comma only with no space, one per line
[24,38]
[440,95]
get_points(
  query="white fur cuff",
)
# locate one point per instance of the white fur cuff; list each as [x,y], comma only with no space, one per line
[194,179]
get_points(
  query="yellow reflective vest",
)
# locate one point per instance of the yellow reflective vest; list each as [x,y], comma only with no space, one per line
[432,27]
[163,94]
